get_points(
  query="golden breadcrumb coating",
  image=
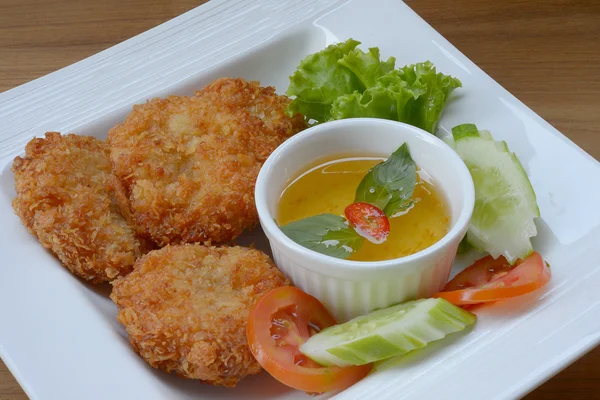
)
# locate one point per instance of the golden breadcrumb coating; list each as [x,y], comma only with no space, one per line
[185,309]
[62,199]
[188,165]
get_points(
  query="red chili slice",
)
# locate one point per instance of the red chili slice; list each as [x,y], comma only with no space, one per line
[368,221]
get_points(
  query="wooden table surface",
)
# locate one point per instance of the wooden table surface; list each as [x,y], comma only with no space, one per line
[545,52]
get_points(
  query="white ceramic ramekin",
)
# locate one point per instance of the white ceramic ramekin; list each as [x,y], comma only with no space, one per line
[351,288]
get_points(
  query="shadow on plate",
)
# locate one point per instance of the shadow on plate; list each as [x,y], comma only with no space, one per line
[255,238]
[261,386]
[420,355]
[7,183]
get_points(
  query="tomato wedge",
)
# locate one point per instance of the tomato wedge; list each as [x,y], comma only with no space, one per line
[368,221]
[490,279]
[278,324]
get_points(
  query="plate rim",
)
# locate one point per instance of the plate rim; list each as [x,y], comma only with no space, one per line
[28,88]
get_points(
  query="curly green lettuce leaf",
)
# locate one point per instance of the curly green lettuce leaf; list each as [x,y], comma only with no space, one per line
[342,81]
[391,98]
[367,67]
[338,70]
[320,79]
[437,87]
[414,94]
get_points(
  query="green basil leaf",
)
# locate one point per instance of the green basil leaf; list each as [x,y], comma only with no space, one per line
[326,234]
[397,206]
[390,184]
[370,191]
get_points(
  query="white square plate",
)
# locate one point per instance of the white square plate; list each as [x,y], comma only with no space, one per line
[59,336]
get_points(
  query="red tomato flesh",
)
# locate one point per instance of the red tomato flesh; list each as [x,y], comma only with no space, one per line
[368,221]
[282,320]
[490,279]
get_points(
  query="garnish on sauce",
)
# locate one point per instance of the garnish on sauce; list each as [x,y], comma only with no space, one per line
[391,206]
[368,221]
[324,233]
[390,184]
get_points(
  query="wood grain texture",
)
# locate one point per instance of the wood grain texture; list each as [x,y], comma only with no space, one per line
[545,52]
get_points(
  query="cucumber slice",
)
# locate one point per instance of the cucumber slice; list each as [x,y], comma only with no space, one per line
[505,203]
[386,333]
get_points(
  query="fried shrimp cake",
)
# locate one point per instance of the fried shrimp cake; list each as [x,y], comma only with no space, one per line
[62,198]
[188,165]
[185,309]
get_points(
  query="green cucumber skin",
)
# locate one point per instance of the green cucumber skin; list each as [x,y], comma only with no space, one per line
[462,131]
[510,238]
[387,333]
[533,199]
